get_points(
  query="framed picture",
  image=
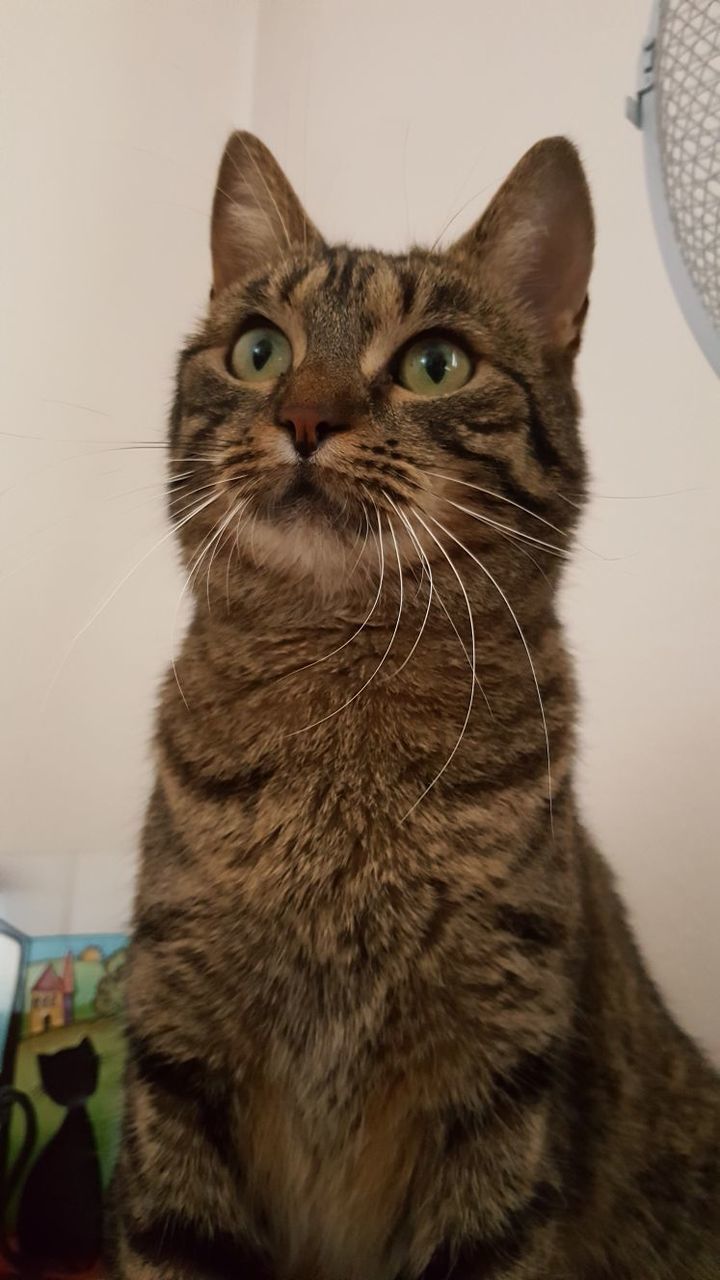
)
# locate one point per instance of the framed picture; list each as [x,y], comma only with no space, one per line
[63,1057]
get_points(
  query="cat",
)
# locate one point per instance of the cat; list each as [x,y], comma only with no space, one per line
[386,1018]
[59,1218]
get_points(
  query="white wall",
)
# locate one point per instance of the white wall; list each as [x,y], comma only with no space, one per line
[389,115]
[113,115]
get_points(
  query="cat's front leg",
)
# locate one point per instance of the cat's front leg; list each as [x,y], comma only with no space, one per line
[510,1255]
[162,1251]
[524,1242]
[190,1255]
[177,1204]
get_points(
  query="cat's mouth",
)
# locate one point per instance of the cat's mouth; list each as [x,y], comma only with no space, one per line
[303,487]
[305,491]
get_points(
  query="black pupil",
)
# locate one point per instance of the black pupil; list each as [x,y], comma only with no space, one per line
[261,352]
[435,363]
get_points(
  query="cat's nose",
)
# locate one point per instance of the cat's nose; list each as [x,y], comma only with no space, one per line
[310,424]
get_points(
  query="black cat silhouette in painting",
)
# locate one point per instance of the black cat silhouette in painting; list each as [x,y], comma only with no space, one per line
[59,1220]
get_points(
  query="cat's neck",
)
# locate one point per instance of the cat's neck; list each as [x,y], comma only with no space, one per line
[282,624]
[290,666]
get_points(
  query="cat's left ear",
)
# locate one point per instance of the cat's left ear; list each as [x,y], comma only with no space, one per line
[535,241]
[256,217]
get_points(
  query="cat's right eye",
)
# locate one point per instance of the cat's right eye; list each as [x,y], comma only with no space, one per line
[260,354]
[434,366]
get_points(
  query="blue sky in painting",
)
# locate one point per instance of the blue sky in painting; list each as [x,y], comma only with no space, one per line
[55,945]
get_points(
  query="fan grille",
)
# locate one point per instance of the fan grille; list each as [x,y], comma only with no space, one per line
[688,85]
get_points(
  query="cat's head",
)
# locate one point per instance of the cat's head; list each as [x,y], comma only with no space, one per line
[69,1077]
[337,398]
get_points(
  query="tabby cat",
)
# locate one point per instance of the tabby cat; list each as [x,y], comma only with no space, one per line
[386,1017]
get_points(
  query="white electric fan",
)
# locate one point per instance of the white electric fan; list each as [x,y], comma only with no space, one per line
[677,106]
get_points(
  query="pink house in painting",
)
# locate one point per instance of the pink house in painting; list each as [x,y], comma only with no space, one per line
[52,998]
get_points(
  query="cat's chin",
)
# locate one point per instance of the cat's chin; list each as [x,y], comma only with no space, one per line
[308,541]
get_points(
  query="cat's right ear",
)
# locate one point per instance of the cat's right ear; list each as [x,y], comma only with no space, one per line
[535,241]
[256,217]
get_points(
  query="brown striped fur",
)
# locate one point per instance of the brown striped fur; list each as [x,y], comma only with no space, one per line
[371,1038]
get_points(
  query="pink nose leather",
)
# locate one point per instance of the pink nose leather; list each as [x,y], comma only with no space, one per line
[309,424]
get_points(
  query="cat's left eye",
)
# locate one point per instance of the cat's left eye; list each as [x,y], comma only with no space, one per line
[260,354]
[434,366]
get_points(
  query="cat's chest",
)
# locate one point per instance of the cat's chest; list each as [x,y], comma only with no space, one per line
[346,974]
[329,911]
[332,940]
[345,918]
[332,1187]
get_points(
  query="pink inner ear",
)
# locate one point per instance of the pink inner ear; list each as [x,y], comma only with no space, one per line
[257,218]
[556,283]
[535,240]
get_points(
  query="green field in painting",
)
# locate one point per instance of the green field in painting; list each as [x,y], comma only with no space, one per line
[104,1106]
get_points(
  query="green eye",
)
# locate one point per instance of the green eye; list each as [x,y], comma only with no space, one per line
[260,355]
[434,367]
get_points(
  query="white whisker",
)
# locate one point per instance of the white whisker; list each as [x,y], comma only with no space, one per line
[125,578]
[363,624]
[424,562]
[463,646]
[490,493]
[526,647]
[234,550]
[370,679]
[178,498]
[513,536]
[154,485]
[234,510]
[500,497]
[471,699]
[400,578]
[630,497]
[435,595]
[496,524]
[94,453]
[363,545]
[68,517]
[187,498]
[198,556]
